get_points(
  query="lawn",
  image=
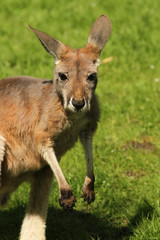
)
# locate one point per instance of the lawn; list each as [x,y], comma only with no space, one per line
[127,143]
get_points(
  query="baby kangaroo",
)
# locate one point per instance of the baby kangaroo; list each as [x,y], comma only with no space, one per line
[41,119]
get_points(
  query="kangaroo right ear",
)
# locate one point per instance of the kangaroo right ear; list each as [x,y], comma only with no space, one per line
[100,32]
[52,46]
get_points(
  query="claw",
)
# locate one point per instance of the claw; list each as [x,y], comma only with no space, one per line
[67,199]
[88,196]
[88,190]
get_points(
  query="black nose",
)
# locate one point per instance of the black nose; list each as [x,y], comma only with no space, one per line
[78,104]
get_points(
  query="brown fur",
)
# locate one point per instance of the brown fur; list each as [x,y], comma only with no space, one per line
[41,119]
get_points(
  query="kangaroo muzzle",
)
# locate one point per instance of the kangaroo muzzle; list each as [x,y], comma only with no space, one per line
[78,105]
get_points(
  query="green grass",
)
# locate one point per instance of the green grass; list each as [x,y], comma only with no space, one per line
[127,143]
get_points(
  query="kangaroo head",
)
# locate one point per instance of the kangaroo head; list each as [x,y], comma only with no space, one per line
[75,73]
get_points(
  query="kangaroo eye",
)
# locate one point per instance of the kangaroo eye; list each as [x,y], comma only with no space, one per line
[62,76]
[92,77]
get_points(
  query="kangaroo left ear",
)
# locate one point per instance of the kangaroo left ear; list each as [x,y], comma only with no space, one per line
[52,45]
[100,32]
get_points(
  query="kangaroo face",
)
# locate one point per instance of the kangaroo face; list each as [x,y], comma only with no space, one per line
[75,78]
[75,71]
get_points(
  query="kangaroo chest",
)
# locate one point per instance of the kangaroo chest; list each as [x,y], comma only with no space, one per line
[69,135]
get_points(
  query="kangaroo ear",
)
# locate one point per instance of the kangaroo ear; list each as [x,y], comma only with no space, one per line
[52,46]
[100,32]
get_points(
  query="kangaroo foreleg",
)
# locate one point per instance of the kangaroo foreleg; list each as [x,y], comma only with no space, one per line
[66,199]
[88,187]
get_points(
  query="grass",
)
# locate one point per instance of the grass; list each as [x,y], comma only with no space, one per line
[127,143]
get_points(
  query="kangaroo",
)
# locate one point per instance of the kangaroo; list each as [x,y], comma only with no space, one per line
[41,119]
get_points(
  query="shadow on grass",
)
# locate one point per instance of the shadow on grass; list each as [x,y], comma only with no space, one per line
[10,222]
[75,225]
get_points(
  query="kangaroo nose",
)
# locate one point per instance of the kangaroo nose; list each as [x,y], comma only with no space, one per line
[78,104]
